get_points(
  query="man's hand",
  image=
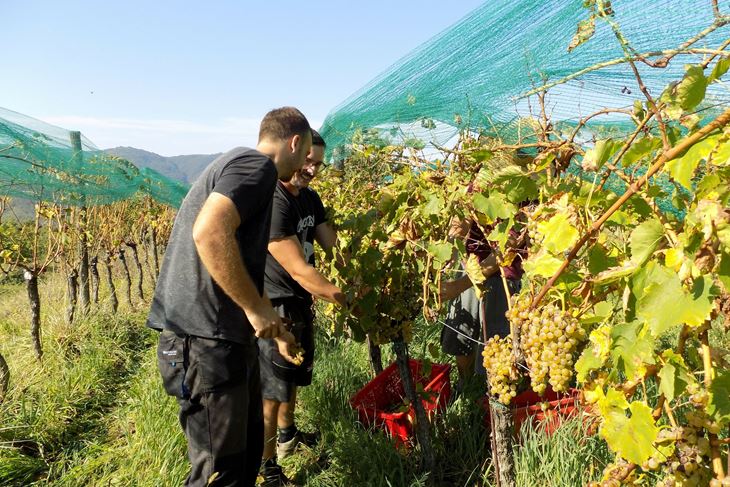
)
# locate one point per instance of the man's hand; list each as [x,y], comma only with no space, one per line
[288,348]
[451,289]
[266,323]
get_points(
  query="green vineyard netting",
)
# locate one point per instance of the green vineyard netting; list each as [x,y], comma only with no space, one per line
[476,75]
[41,162]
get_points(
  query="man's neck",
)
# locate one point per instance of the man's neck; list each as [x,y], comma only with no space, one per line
[291,188]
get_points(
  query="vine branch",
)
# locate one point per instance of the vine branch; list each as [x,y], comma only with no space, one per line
[666,156]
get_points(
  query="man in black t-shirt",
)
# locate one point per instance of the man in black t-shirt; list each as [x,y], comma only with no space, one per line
[210,306]
[297,221]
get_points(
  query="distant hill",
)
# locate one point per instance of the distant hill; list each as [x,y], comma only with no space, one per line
[182,168]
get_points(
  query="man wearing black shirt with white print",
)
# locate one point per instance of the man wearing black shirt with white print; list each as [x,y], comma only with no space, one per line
[297,221]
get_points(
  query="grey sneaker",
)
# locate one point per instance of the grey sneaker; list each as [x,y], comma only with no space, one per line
[287,448]
[274,477]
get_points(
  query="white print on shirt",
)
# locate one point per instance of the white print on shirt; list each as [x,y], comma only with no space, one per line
[305,222]
[308,251]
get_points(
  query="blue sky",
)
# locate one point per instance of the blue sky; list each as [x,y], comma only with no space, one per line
[181,77]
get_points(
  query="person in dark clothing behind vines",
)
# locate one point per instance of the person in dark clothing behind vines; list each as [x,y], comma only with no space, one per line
[210,306]
[467,314]
[297,221]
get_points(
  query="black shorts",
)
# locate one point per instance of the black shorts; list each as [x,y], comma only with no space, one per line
[279,377]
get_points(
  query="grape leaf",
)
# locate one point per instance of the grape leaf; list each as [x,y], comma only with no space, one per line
[721,153]
[632,351]
[597,156]
[632,438]
[434,206]
[587,361]
[723,272]
[674,375]
[474,270]
[682,168]
[640,149]
[613,402]
[586,29]
[615,273]
[645,239]
[560,234]
[521,188]
[718,406]
[543,264]
[599,260]
[501,233]
[601,312]
[663,303]
[719,70]
[668,378]
[493,207]
[691,90]
[673,258]
[441,252]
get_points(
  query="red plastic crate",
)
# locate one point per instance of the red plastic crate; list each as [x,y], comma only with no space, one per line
[527,406]
[386,391]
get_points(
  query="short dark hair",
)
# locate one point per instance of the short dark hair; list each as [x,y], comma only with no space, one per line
[317,139]
[282,123]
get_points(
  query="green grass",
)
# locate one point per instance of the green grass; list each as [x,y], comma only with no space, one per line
[94,413]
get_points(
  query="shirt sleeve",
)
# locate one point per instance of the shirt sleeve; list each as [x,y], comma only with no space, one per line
[249,183]
[282,220]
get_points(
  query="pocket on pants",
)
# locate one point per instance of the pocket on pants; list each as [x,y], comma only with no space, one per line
[220,364]
[172,363]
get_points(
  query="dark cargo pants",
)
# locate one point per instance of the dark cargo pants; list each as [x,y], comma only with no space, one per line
[218,388]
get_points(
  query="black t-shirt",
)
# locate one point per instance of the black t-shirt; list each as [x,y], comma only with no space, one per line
[187,300]
[292,215]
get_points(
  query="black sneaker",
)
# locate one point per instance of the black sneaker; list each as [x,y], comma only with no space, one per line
[287,448]
[274,476]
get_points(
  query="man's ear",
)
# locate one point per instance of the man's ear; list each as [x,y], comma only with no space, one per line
[294,143]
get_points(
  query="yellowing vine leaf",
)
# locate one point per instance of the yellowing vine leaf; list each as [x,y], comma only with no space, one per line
[682,169]
[559,234]
[632,438]
[595,355]
[543,264]
[663,302]
[474,271]
[586,29]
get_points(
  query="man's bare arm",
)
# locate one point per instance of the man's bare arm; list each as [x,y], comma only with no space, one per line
[325,236]
[214,233]
[288,252]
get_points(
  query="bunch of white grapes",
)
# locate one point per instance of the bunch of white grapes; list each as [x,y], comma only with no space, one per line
[549,338]
[501,372]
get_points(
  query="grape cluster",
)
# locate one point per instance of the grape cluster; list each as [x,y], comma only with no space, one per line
[390,330]
[501,372]
[549,338]
[689,464]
